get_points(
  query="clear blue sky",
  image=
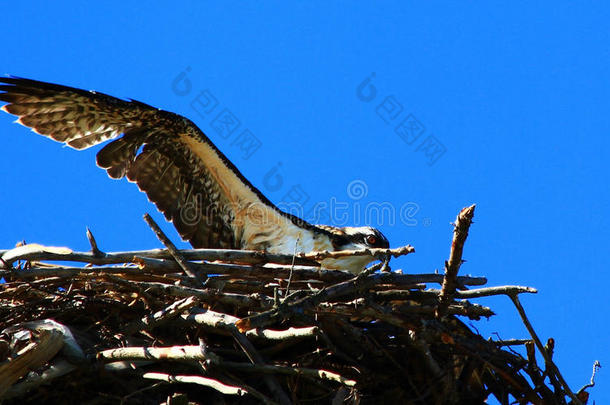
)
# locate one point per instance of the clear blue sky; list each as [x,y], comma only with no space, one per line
[503,106]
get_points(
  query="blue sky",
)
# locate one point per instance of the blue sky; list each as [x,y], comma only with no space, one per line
[424,107]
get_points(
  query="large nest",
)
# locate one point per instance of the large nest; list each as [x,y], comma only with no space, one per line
[214,326]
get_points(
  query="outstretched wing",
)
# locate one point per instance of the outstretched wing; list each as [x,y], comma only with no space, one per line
[195,186]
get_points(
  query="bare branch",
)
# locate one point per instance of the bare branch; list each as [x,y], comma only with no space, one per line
[283,335]
[195,379]
[452,266]
[174,353]
[95,251]
[296,371]
[34,251]
[596,366]
[542,350]
[377,253]
[172,249]
[153,320]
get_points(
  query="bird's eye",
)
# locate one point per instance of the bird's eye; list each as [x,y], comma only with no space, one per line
[371,240]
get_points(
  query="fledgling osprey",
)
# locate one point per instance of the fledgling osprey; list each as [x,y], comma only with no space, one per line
[209,201]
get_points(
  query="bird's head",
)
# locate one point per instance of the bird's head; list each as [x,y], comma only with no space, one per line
[355,238]
[362,237]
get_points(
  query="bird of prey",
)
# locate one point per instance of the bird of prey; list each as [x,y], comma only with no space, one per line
[211,204]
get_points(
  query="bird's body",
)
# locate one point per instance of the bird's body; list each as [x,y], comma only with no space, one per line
[211,204]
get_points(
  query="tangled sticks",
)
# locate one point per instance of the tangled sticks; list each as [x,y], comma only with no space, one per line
[221,326]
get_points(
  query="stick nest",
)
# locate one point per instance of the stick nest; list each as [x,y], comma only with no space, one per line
[223,327]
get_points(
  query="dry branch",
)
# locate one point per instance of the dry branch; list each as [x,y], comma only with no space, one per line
[377,253]
[551,367]
[33,252]
[452,266]
[194,379]
[184,265]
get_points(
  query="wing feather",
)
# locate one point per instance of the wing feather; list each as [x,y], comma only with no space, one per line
[181,171]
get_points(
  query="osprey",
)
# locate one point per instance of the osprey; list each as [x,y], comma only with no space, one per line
[211,204]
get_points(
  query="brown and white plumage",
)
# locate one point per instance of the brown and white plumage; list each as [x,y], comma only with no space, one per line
[211,204]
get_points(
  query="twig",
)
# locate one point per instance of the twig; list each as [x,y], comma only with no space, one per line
[226,322]
[411,279]
[206,295]
[490,291]
[154,320]
[95,251]
[285,310]
[296,243]
[541,349]
[284,335]
[271,271]
[156,266]
[211,319]
[257,359]
[340,396]
[549,348]
[371,270]
[535,374]
[217,321]
[596,366]
[34,251]
[424,349]
[194,353]
[432,294]
[513,342]
[297,371]
[377,253]
[452,266]
[365,310]
[175,353]
[195,379]
[138,392]
[172,249]
[338,290]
